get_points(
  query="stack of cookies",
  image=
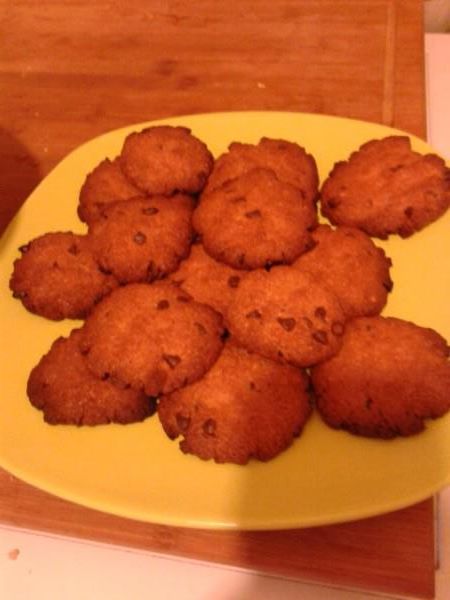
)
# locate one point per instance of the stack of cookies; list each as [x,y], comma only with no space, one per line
[211,294]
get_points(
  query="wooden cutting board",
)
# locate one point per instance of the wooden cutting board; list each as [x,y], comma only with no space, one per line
[71,71]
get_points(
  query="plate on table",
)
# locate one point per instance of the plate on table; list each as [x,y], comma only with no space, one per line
[135,471]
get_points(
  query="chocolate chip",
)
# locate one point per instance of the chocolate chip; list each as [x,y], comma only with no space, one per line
[271,263]
[183,422]
[19,295]
[224,335]
[233,281]
[105,376]
[320,313]
[254,314]
[332,203]
[321,337]
[153,272]
[162,305]
[209,427]
[409,211]
[388,285]
[172,360]
[24,248]
[140,238]
[337,328]
[253,214]
[73,249]
[103,270]
[201,328]
[201,178]
[152,405]
[177,282]
[150,210]
[287,323]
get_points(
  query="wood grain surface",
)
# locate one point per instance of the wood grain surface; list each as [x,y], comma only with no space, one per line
[72,70]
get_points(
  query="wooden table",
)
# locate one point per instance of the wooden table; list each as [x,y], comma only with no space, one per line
[72,70]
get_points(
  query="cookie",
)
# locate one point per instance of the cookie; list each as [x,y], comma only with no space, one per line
[389,377]
[387,188]
[143,239]
[152,337]
[286,315]
[105,184]
[352,266]
[64,389]
[58,277]
[207,280]
[289,161]
[165,159]
[245,407]
[255,220]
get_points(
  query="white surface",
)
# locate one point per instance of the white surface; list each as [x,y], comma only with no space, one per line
[437,63]
[41,567]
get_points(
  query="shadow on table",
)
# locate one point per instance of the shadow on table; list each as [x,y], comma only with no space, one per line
[19,175]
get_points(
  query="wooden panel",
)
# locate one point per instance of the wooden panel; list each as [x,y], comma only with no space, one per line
[392,553]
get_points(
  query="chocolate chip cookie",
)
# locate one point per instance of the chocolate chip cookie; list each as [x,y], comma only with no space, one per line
[246,406]
[165,159]
[255,220]
[143,239]
[387,188]
[286,315]
[105,184]
[58,277]
[389,377]
[352,266]
[67,393]
[153,337]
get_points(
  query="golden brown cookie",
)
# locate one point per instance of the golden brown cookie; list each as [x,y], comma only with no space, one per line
[105,184]
[385,187]
[289,161]
[286,315]
[152,337]
[255,220]
[246,406]
[143,239]
[58,277]
[65,390]
[207,280]
[388,378]
[165,159]
[352,266]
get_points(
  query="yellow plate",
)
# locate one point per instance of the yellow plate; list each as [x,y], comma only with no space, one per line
[135,471]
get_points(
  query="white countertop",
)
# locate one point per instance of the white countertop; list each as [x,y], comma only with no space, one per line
[36,566]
